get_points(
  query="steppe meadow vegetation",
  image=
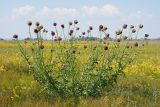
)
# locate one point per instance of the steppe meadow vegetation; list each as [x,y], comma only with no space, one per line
[68,71]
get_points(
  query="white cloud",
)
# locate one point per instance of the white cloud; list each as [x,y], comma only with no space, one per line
[56,12]
[110,10]
[46,12]
[105,10]
[22,11]
[90,10]
[140,15]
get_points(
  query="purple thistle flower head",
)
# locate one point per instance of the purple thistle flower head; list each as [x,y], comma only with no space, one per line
[62,26]
[55,24]
[100,27]
[53,33]
[90,28]
[71,32]
[15,36]
[83,33]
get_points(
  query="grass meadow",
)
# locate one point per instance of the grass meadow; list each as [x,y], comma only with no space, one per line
[140,87]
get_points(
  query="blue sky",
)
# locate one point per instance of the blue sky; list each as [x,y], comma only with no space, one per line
[14,14]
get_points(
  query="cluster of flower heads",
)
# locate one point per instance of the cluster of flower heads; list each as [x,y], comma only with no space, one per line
[70,32]
[38,28]
[73,29]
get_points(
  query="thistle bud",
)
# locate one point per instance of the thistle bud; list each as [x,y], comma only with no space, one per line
[37,23]
[105,29]
[29,23]
[41,27]
[105,48]
[41,46]
[70,23]
[75,21]
[133,30]
[131,26]
[146,35]
[125,26]
[136,44]
[90,28]
[107,35]
[140,26]
[35,30]
[100,27]
[44,30]
[118,32]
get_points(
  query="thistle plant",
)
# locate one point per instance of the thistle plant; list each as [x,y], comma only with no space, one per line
[77,70]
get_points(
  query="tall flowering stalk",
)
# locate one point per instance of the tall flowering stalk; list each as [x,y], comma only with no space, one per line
[72,70]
